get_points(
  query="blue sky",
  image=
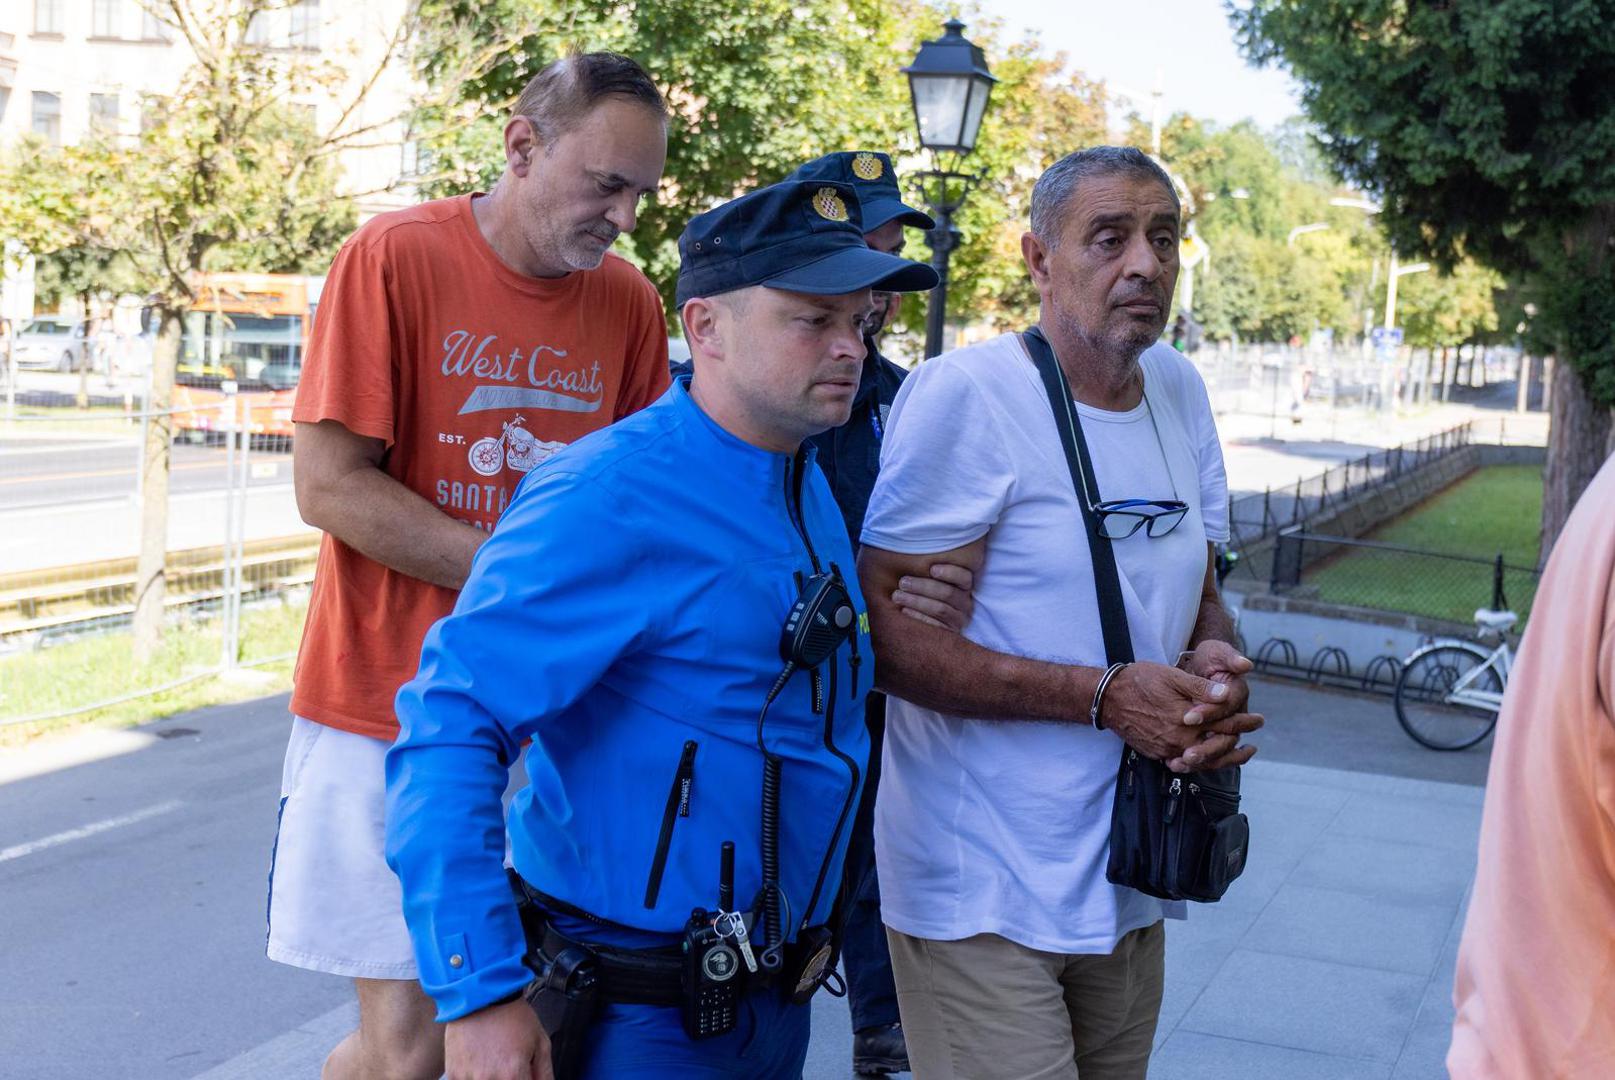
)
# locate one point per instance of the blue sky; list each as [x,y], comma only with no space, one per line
[1125,41]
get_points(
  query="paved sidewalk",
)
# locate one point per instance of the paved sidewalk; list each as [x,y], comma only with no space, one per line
[1330,959]
[133,863]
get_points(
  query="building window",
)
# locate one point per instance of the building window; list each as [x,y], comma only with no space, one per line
[104,114]
[303,31]
[48,117]
[49,16]
[151,27]
[5,99]
[295,27]
[106,19]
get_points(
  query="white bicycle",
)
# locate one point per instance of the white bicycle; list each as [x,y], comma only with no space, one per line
[1449,693]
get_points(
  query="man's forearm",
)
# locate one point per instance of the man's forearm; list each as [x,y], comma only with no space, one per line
[939,669]
[1213,623]
[383,520]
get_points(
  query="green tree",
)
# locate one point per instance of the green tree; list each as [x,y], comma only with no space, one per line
[1488,131]
[757,89]
[226,169]
[754,89]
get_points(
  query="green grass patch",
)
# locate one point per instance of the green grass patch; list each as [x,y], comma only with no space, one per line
[100,668]
[1491,511]
[67,420]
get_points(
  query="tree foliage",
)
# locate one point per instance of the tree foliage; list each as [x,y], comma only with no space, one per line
[1488,131]
[228,169]
[1438,309]
[757,89]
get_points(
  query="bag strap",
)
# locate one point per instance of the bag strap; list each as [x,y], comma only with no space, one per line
[1107,582]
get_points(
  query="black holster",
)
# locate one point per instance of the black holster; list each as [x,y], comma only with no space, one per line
[565,994]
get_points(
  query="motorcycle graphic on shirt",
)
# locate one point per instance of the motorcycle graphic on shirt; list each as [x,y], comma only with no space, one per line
[515,448]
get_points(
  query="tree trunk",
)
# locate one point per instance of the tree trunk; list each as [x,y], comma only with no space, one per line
[1581,435]
[84,356]
[150,576]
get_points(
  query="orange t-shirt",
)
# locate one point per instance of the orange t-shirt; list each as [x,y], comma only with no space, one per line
[1535,985]
[472,374]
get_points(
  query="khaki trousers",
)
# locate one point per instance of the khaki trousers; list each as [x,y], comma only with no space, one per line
[986,1008]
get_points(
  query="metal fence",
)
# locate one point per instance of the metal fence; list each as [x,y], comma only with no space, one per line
[237,559]
[1389,577]
[1255,520]
[1278,381]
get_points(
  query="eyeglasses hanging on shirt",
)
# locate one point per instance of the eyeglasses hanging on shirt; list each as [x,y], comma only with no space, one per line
[1121,518]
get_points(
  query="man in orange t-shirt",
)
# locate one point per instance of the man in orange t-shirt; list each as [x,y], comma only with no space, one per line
[1535,985]
[458,344]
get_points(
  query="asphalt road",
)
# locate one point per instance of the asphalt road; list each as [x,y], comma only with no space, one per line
[132,889]
[44,473]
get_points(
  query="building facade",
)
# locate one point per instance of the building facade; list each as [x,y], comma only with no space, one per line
[71,67]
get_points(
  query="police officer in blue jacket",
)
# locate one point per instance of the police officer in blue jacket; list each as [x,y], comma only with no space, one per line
[850,457]
[667,610]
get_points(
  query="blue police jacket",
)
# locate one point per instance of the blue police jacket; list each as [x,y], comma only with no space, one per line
[849,455]
[626,616]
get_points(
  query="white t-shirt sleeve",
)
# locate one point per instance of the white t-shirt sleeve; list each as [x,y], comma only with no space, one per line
[1213,475]
[944,474]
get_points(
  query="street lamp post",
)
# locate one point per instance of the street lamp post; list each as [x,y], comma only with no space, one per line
[949,84]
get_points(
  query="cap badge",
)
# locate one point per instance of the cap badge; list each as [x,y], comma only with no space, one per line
[866,167]
[829,205]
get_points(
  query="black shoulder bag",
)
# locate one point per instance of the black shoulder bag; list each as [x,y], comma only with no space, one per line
[1173,837]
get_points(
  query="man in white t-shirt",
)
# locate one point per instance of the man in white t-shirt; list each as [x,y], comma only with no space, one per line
[1013,954]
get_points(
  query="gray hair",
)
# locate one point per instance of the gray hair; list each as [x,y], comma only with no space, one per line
[1059,183]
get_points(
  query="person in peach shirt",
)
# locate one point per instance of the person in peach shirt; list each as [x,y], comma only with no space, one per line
[1535,985]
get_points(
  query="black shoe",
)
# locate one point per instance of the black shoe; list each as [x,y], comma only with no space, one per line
[880,1050]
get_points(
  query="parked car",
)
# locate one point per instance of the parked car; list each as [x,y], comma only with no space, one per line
[53,344]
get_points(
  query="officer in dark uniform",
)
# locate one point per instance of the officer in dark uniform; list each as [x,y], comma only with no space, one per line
[850,458]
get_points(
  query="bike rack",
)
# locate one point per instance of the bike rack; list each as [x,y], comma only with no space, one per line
[1371,679]
[1264,655]
[1342,662]
[1330,666]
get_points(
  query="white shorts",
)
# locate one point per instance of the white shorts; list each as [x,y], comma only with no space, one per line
[334,904]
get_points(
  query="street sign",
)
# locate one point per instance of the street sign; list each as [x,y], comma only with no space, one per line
[1192,251]
[1386,339]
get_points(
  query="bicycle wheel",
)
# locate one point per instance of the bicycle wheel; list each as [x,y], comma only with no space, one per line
[1422,697]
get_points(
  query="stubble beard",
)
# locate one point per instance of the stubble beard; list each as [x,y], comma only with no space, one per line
[1116,352]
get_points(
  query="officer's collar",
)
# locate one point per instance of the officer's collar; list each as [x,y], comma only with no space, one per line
[737,449]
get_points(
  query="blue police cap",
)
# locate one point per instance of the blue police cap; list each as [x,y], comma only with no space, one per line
[800,236]
[871,175]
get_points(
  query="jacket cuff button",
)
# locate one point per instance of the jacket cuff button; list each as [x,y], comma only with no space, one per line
[456,961]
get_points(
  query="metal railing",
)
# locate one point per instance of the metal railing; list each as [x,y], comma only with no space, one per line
[1349,572]
[1255,520]
[237,564]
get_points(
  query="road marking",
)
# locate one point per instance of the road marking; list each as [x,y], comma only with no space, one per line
[17,851]
[46,478]
[77,446]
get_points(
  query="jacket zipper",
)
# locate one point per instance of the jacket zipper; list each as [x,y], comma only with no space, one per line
[678,805]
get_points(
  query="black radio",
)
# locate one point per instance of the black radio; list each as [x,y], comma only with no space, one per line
[713,979]
[820,620]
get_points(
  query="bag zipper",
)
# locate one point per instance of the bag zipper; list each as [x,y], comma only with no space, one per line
[678,805]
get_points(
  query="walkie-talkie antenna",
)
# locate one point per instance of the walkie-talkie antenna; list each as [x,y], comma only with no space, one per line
[726,876]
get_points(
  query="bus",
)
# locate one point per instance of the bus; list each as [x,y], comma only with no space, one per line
[250,330]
